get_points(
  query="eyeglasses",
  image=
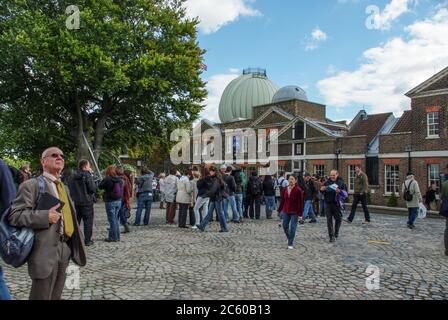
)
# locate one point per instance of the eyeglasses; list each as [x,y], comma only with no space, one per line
[56,155]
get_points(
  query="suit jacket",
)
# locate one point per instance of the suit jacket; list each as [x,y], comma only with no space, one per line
[44,255]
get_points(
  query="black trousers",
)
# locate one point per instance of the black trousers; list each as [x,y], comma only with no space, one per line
[52,287]
[254,203]
[334,219]
[85,213]
[192,216]
[357,198]
[183,212]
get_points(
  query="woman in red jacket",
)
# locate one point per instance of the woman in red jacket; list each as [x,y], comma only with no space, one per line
[291,208]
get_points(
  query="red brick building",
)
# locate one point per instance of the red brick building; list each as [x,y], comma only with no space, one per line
[309,141]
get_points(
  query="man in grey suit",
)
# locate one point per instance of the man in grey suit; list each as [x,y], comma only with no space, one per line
[57,234]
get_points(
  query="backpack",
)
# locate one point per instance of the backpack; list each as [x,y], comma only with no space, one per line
[407,196]
[117,190]
[255,190]
[16,244]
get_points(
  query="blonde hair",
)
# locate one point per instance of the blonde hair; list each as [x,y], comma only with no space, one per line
[196,174]
[162,175]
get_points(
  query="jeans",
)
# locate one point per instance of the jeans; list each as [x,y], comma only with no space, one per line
[357,198]
[290,226]
[123,208]
[239,204]
[200,203]
[308,208]
[4,292]
[215,206]
[270,205]
[322,207]
[113,210]
[333,212]
[144,201]
[413,213]
[232,201]
[85,213]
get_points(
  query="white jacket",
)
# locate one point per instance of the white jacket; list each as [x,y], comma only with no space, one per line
[184,190]
[171,188]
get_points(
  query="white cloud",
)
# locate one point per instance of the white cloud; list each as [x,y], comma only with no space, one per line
[391,12]
[390,70]
[215,87]
[214,14]
[317,37]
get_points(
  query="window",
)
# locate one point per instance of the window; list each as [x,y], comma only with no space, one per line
[260,144]
[372,170]
[297,166]
[433,124]
[434,175]
[298,133]
[392,175]
[319,170]
[245,144]
[351,178]
[298,149]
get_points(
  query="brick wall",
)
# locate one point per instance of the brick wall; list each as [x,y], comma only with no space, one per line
[323,147]
[394,143]
[419,123]
[354,145]
[313,133]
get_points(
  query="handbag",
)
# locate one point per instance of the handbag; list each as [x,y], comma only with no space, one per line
[444,208]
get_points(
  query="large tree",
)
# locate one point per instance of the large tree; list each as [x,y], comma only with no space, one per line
[128,75]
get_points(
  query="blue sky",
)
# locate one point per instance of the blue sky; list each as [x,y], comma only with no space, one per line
[325,47]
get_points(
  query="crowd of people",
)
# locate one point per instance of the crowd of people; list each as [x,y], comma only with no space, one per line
[197,196]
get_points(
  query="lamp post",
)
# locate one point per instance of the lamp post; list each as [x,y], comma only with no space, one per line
[409,150]
[338,152]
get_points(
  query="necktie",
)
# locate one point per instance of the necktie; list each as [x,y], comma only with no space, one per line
[66,211]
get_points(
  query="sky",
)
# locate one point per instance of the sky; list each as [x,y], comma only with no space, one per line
[346,54]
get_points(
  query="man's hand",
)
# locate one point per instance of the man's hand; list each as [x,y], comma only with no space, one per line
[338,190]
[323,189]
[300,218]
[53,215]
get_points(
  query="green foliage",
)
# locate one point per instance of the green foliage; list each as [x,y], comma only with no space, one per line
[128,167]
[393,201]
[16,163]
[130,74]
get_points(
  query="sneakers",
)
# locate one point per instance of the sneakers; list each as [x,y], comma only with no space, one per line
[290,247]
[194,228]
[332,239]
[301,222]
[89,243]
[410,226]
[348,221]
[366,222]
[312,221]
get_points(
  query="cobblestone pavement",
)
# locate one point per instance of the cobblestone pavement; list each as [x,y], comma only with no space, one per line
[253,262]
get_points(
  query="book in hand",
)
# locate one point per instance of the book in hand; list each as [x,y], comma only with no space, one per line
[48,201]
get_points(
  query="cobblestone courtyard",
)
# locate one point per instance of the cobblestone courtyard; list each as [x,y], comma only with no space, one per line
[252,262]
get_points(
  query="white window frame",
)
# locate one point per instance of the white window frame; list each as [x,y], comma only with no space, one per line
[351,178]
[321,173]
[397,184]
[260,144]
[245,144]
[434,179]
[432,124]
[196,148]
